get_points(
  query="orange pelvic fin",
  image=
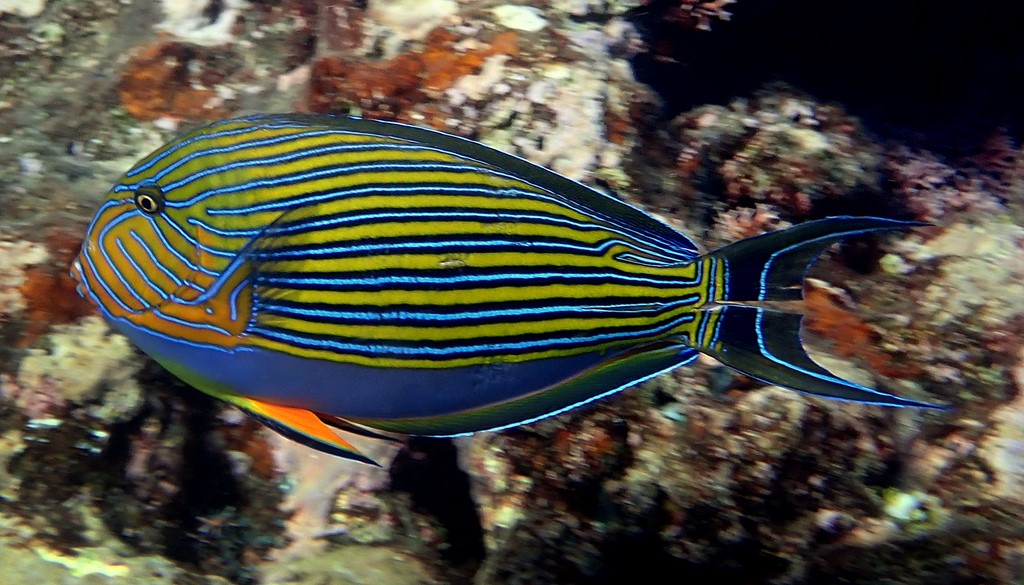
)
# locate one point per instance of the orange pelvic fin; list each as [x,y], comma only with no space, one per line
[301,426]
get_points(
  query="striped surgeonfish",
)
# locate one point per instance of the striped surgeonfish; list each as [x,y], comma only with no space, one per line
[375,277]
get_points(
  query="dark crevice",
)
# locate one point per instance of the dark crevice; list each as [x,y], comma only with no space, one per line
[429,472]
[913,70]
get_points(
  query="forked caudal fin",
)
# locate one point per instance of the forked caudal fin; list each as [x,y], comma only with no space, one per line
[765,343]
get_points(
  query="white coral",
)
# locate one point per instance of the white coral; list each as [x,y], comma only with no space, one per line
[14,258]
[982,273]
[315,480]
[573,141]
[411,20]
[196,21]
[23,8]
[1003,449]
[84,360]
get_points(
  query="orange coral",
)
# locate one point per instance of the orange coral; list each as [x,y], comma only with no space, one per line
[174,80]
[338,85]
[828,318]
[386,90]
[851,336]
[50,298]
[49,291]
[443,66]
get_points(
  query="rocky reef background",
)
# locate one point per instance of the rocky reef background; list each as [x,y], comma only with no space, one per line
[724,117]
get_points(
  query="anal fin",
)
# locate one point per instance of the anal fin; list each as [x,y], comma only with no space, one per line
[605,378]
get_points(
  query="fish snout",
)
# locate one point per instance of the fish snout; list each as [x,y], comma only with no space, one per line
[76,273]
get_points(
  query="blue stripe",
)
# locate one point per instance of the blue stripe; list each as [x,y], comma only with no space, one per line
[631,258]
[190,324]
[725,278]
[763,292]
[167,245]
[371,190]
[233,298]
[195,243]
[682,243]
[102,238]
[665,245]
[450,245]
[152,258]
[283,158]
[103,284]
[705,316]
[670,259]
[141,272]
[713,264]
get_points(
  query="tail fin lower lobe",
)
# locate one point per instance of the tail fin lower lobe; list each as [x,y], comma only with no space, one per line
[765,343]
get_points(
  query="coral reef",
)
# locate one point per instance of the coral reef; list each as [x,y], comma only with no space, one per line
[201,22]
[981,280]
[769,487]
[1003,449]
[700,14]
[353,565]
[411,20]
[110,470]
[49,292]
[791,154]
[332,497]
[388,90]
[931,188]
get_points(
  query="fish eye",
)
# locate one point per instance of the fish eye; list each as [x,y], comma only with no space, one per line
[149,199]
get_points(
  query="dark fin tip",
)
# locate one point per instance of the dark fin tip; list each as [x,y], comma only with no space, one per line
[350,427]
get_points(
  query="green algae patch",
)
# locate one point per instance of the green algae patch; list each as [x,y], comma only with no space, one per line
[86,563]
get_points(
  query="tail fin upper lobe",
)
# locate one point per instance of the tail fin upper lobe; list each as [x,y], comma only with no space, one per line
[765,343]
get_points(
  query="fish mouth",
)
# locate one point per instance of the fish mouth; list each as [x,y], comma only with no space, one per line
[75,271]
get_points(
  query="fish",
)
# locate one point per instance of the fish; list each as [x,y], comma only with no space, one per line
[331,275]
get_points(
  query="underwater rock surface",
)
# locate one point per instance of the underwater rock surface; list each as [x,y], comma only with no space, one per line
[111,471]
